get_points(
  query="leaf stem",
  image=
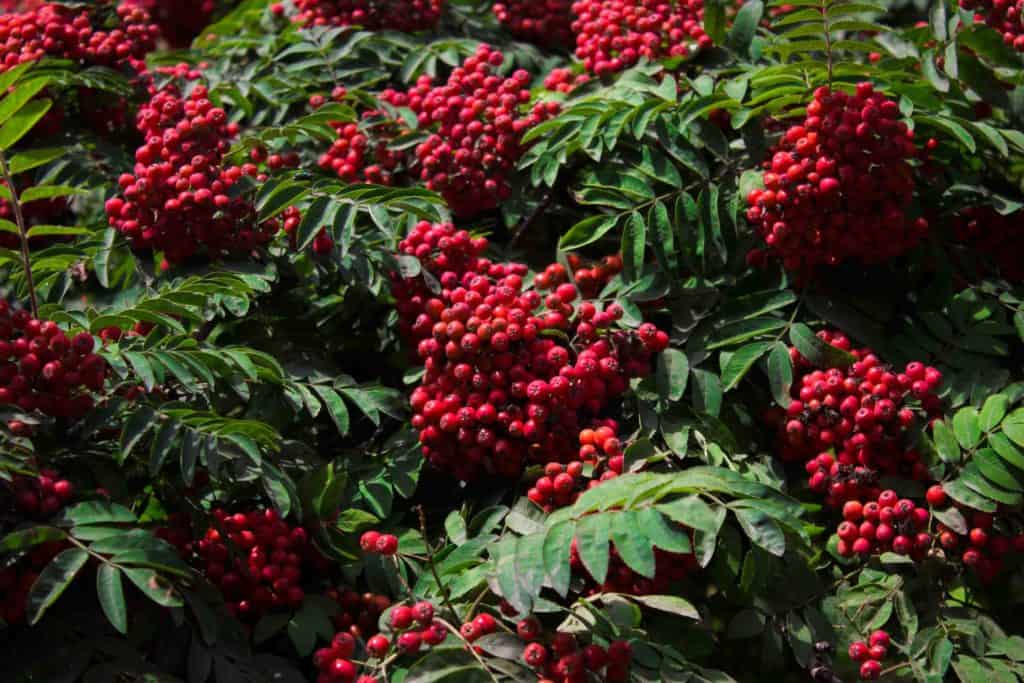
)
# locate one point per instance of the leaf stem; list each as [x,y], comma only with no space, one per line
[19,218]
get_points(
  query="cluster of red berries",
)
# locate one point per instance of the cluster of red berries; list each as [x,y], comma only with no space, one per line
[590,281]
[42,369]
[477,129]
[561,485]
[564,80]
[870,654]
[399,15]
[1002,15]
[612,35]
[998,237]
[358,613]
[837,186]
[58,31]
[178,199]
[983,548]
[179,20]
[16,580]
[564,659]
[888,523]
[415,627]
[361,152]
[42,496]
[497,390]
[256,560]
[376,543]
[861,412]
[548,22]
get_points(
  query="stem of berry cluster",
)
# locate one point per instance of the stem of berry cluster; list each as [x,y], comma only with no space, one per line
[445,592]
[19,219]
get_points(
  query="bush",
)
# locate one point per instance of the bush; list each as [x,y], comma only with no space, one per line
[454,341]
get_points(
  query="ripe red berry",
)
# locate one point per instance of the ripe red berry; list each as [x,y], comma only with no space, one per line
[936,496]
[378,646]
[870,670]
[859,651]
[401,617]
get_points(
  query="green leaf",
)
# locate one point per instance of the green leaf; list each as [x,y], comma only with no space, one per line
[22,122]
[633,547]
[335,407]
[668,603]
[98,512]
[994,470]
[24,92]
[661,532]
[740,362]
[317,216]
[587,231]
[1006,450]
[671,375]
[820,353]
[111,594]
[714,22]
[33,158]
[780,374]
[761,529]
[961,494]
[53,581]
[744,26]
[592,536]
[37,192]
[156,587]
[556,547]
[966,427]
[945,443]
[993,412]
[26,538]
[633,247]
[274,198]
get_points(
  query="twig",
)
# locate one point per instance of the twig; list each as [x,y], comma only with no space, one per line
[19,218]
[445,592]
[469,646]
[527,220]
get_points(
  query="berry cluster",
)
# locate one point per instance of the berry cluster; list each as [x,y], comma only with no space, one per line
[358,613]
[612,35]
[255,559]
[42,369]
[564,659]
[590,281]
[179,197]
[477,129]
[983,547]
[400,15]
[415,627]
[861,412]
[870,654]
[561,484]
[497,390]
[376,543]
[58,31]
[838,185]
[564,80]
[361,153]
[179,20]
[42,496]
[1002,15]
[548,22]
[998,237]
[887,523]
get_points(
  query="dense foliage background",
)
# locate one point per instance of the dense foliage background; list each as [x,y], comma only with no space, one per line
[436,340]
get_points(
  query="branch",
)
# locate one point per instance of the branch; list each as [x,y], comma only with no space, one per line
[19,218]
